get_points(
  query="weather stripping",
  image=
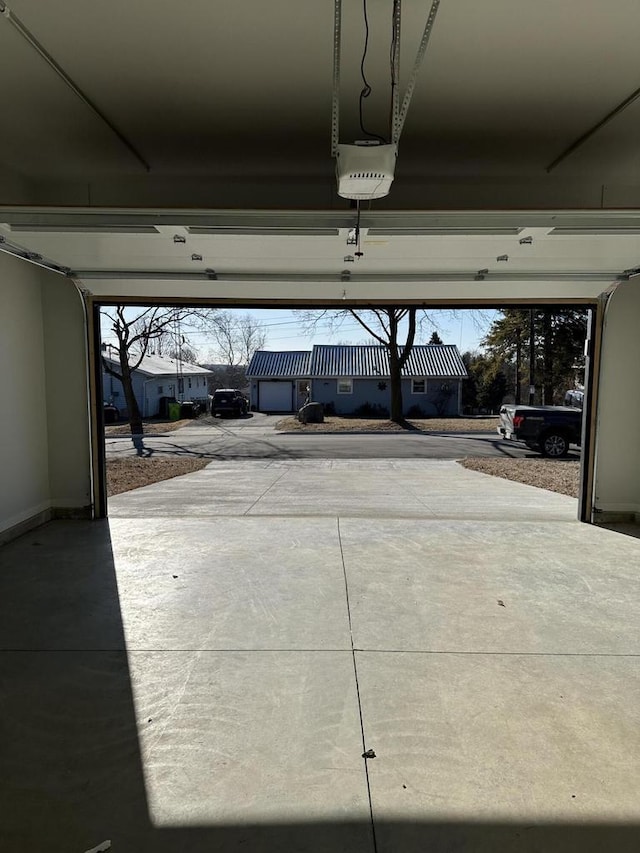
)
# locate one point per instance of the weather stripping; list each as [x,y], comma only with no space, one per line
[86,229]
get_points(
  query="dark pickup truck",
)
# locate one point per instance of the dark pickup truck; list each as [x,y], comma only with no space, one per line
[546,429]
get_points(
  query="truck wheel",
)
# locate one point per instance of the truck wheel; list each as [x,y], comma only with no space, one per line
[554,445]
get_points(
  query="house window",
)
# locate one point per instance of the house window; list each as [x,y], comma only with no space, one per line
[437,386]
[189,383]
[159,389]
[418,386]
[345,386]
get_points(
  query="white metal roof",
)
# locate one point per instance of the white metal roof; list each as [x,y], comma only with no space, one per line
[157,365]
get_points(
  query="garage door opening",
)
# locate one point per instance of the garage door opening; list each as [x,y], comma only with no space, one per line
[453,390]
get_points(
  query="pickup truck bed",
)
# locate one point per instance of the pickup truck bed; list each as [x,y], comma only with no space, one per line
[546,429]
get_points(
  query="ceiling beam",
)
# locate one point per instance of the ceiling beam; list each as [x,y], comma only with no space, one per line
[9,15]
[580,141]
[63,217]
[204,275]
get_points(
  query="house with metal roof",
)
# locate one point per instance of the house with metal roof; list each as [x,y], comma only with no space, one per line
[279,381]
[356,379]
[155,378]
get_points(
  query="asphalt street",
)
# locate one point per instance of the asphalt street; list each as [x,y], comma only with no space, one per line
[255,438]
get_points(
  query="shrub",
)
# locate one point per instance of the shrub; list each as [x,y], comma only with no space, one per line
[416,412]
[329,408]
[371,410]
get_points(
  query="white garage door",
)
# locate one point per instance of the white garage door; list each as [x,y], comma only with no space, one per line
[275,397]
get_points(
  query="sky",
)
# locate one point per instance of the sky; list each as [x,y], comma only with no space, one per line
[285,331]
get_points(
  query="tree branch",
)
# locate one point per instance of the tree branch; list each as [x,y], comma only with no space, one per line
[411,334]
[110,370]
[383,318]
[368,329]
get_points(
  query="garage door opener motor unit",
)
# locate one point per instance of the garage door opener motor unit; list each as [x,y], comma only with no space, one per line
[365,171]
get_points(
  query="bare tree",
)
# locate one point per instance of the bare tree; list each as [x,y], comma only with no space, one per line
[237,338]
[135,334]
[184,352]
[383,325]
[394,328]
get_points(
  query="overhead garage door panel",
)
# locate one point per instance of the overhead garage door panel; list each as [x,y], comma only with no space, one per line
[276,396]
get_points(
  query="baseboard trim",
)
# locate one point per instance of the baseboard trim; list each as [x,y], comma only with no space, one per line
[25,526]
[616,517]
[71,513]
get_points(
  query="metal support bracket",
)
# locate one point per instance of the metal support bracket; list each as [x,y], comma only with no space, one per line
[335,96]
[428,27]
[395,71]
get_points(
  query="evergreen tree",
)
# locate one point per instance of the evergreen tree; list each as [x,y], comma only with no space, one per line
[486,386]
[558,345]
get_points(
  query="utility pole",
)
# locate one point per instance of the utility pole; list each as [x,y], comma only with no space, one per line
[518,390]
[547,361]
[532,358]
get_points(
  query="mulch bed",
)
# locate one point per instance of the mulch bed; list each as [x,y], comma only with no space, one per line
[154,427]
[555,475]
[134,472]
[334,423]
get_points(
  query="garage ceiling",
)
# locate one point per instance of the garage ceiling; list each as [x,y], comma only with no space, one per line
[244,89]
[211,122]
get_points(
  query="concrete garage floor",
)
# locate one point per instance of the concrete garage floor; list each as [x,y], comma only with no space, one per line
[204,671]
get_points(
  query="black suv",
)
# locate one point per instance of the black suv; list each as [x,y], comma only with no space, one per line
[229,401]
[111,413]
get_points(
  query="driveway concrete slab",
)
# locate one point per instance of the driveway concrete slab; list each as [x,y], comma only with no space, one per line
[421,489]
[219,752]
[438,586]
[239,584]
[502,752]
[334,491]
[450,491]
[71,770]
[59,590]
[226,709]
[221,490]
[250,737]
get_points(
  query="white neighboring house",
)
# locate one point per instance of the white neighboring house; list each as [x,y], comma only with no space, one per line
[156,377]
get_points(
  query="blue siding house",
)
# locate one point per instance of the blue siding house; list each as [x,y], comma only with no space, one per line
[155,377]
[355,379]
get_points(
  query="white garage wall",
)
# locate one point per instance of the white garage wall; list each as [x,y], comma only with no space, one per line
[24,462]
[617,471]
[67,397]
[44,436]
